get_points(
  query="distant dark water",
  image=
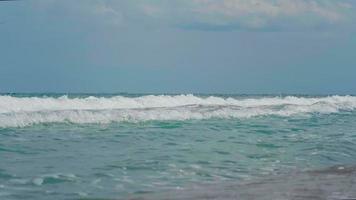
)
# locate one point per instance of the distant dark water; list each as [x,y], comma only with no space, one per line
[110,146]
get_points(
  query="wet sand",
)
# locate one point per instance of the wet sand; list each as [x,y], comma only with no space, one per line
[335,183]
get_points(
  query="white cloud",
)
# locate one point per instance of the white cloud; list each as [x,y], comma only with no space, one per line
[151,10]
[256,13]
[244,14]
[110,12]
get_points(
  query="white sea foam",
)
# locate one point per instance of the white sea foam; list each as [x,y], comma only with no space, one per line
[24,111]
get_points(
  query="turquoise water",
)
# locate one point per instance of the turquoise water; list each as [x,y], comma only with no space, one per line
[115,146]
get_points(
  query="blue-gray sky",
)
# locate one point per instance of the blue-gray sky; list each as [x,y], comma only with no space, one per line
[178,46]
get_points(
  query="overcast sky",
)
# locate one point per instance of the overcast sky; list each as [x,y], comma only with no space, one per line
[178,46]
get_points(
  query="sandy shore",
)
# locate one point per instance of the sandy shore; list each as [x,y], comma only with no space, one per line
[335,183]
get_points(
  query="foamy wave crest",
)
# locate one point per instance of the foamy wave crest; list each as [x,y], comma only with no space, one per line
[25,111]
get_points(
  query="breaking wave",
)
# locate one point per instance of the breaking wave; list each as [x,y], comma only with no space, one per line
[25,111]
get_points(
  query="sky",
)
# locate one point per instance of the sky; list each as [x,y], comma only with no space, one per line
[178,46]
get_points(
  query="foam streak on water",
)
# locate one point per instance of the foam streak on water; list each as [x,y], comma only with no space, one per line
[25,111]
[180,146]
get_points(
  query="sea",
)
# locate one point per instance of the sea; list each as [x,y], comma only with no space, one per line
[162,146]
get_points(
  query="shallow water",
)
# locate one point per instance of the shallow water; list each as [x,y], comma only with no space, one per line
[110,146]
[334,183]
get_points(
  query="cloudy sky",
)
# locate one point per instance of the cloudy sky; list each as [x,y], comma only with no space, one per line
[178,46]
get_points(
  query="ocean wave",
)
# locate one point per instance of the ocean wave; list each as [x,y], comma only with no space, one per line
[25,111]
